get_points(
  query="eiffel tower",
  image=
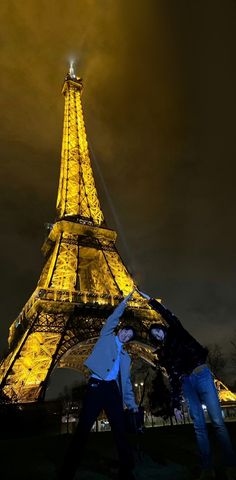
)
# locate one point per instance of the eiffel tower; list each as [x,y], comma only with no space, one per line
[82,280]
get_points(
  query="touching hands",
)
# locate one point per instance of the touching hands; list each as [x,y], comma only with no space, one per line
[129,295]
[144,295]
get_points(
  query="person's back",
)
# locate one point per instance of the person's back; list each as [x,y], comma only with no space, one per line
[181,349]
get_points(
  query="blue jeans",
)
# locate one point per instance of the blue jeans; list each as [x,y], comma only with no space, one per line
[199,389]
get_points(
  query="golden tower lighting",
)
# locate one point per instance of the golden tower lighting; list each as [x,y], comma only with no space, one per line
[83,277]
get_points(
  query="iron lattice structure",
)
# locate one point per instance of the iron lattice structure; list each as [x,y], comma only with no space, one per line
[82,280]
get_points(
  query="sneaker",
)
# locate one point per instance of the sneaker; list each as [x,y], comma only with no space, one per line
[231,473]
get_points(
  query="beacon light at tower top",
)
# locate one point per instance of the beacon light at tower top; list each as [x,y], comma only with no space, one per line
[71,69]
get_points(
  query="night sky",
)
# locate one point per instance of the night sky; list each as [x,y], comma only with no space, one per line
[159,104]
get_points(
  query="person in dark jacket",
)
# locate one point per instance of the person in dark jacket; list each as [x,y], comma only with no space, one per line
[185,362]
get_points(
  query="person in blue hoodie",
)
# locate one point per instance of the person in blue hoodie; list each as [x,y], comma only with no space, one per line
[109,388]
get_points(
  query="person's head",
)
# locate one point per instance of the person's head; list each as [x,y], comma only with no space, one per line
[126,333]
[157,332]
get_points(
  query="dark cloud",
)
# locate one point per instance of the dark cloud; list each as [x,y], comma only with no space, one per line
[159,102]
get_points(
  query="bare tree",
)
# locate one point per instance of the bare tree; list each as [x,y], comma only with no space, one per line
[216,360]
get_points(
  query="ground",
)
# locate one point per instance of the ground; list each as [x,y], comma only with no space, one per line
[161,453]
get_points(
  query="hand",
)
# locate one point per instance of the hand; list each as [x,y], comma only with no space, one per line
[178,415]
[145,295]
[135,410]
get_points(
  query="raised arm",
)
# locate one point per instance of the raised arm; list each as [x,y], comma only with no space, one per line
[168,316]
[113,319]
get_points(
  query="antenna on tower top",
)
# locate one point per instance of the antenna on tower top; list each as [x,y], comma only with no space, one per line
[71,76]
[71,69]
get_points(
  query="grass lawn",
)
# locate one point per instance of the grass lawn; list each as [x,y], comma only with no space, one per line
[161,453]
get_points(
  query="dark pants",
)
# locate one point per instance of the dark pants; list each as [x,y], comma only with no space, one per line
[100,395]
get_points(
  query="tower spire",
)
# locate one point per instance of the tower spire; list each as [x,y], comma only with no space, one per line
[77,198]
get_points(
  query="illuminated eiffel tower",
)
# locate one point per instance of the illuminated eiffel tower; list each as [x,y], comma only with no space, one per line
[82,280]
